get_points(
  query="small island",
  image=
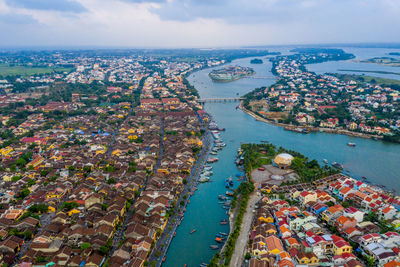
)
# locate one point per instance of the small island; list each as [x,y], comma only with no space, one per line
[386,61]
[230,73]
[256,61]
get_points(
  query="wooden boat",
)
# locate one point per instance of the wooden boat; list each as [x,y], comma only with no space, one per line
[223,222]
[219,240]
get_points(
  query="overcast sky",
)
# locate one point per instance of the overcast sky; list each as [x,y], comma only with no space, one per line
[196,23]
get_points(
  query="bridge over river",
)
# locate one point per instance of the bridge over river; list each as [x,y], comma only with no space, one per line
[222,99]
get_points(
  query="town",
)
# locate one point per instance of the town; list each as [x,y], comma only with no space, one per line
[334,220]
[304,101]
[97,153]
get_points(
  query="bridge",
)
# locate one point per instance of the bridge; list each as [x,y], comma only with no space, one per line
[260,77]
[228,99]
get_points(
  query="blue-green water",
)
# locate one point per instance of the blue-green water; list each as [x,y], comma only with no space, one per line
[363,53]
[378,161]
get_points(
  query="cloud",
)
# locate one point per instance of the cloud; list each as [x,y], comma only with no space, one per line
[196,23]
[16,19]
[53,5]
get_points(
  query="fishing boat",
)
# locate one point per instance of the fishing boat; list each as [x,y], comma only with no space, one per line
[212,159]
[223,222]
[222,233]
[229,193]
[337,165]
[219,240]
[194,230]
[214,247]
[213,153]
[204,179]
[229,180]
[221,197]
[351,144]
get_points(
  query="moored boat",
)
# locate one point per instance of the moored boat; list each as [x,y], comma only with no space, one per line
[223,222]
[337,165]
[219,240]
[351,144]
[214,247]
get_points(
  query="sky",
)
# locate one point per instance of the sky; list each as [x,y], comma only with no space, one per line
[196,23]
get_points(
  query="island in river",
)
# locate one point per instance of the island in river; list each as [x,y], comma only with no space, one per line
[230,73]
[256,61]
[387,61]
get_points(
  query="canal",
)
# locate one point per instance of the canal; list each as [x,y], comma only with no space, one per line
[378,161]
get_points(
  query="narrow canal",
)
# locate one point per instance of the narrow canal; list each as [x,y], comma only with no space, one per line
[378,161]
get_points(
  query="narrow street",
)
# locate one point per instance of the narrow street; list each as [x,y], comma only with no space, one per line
[241,242]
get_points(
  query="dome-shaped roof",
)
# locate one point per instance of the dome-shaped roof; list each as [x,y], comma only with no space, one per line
[283,159]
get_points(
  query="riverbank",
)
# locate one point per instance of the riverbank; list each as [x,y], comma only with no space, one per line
[161,248]
[311,129]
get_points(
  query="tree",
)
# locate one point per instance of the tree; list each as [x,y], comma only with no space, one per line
[23,194]
[38,208]
[67,206]
[85,245]
[111,181]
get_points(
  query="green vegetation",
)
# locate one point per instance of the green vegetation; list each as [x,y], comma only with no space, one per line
[256,61]
[244,190]
[20,70]
[67,206]
[85,245]
[257,155]
[395,84]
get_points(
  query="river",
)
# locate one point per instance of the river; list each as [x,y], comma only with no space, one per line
[378,161]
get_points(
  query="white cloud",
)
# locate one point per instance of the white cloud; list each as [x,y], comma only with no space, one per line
[196,23]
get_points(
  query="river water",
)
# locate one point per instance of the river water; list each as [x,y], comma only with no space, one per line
[378,161]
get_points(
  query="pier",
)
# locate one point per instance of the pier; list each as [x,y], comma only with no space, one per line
[216,100]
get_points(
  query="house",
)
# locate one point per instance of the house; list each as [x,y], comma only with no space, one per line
[387,212]
[318,208]
[352,212]
[306,197]
[308,258]
[352,231]
[343,223]
[370,238]
[274,245]
[340,246]
[284,232]
[296,222]
[332,213]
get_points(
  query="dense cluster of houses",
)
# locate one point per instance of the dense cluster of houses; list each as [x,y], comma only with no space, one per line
[96,188]
[342,223]
[327,101]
